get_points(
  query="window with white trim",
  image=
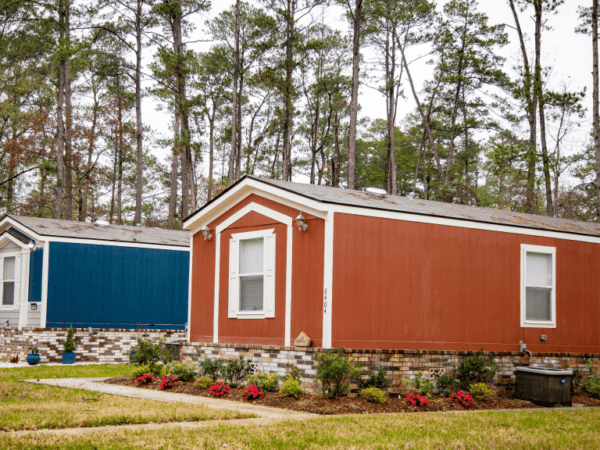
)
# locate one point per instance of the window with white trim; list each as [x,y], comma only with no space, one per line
[252,275]
[538,286]
[10,280]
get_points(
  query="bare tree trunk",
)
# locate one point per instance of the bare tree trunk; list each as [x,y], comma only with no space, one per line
[238,163]
[211,157]
[236,72]
[68,126]
[392,174]
[354,101]
[174,166]
[596,99]
[540,95]
[139,166]
[286,172]
[91,145]
[531,113]
[60,127]
[120,165]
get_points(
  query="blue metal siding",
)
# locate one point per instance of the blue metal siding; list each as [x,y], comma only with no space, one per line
[105,286]
[36,261]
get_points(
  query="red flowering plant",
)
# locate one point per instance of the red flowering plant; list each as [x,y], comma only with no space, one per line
[252,392]
[462,397]
[144,379]
[417,399]
[219,390]
[167,382]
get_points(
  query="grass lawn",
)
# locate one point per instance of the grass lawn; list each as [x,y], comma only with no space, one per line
[491,430]
[30,406]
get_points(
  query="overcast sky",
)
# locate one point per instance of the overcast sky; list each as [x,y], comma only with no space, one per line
[568,53]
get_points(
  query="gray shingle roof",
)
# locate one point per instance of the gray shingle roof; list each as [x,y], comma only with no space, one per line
[362,199]
[115,233]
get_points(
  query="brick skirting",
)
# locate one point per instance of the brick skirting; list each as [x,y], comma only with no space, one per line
[109,346]
[400,364]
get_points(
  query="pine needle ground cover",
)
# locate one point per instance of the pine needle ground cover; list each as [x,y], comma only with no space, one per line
[25,406]
[550,429]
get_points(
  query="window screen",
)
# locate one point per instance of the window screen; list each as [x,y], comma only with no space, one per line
[8,281]
[252,264]
[538,289]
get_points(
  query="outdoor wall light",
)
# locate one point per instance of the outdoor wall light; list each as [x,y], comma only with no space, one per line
[34,247]
[301,222]
[206,233]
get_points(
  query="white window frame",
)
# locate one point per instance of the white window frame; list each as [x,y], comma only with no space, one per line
[16,281]
[269,255]
[537,323]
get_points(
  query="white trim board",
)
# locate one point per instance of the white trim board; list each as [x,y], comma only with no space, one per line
[116,244]
[547,251]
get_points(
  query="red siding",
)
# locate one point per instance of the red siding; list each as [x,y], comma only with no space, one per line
[307,281]
[419,286]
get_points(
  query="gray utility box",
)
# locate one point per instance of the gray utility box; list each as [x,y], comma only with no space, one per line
[542,386]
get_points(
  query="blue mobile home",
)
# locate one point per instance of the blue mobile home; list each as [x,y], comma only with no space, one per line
[57,273]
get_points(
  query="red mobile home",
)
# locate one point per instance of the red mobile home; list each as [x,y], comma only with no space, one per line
[384,272]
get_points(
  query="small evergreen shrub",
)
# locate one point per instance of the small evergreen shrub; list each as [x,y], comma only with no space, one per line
[373,395]
[267,381]
[333,372]
[481,391]
[211,368]
[146,353]
[293,372]
[420,385]
[153,369]
[203,382]
[476,369]
[444,384]
[592,384]
[576,381]
[70,344]
[236,370]
[182,370]
[291,388]
[375,379]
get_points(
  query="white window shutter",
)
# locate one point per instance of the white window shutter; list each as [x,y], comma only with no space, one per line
[269,276]
[234,279]
[17,279]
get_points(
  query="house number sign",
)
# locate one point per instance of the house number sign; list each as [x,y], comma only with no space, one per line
[325,302]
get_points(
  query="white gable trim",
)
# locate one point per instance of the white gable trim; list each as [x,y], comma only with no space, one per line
[6,238]
[275,215]
[7,223]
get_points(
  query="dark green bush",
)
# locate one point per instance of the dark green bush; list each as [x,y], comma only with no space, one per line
[211,367]
[334,371]
[236,370]
[476,369]
[444,384]
[376,379]
[182,370]
[576,381]
[70,344]
[592,383]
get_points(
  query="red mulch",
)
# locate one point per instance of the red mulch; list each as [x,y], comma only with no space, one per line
[585,399]
[317,404]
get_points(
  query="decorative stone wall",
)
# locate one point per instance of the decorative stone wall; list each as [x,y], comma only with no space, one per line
[400,364]
[109,346]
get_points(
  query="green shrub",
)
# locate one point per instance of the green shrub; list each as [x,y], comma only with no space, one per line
[236,370]
[211,367]
[420,385]
[70,344]
[375,379]
[293,372]
[476,369]
[204,382]
[154,369]
[334,371]
[291,388]
[146,353]
[481,391]
[444,384]
[183,370]
[373,394]
[576,381]
[262,380]
[592,384]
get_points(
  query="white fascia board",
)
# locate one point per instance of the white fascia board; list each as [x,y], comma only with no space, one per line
[7,223]
[45,267]
[117,244]
[247,188]
[422,218]
[8,238]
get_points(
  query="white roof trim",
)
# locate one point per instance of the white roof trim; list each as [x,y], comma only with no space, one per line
[6,238]
[7,223]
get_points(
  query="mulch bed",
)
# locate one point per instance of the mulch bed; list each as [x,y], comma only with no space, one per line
[585,399]
[317,404]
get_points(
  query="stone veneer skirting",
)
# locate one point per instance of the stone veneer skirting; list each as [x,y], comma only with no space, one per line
[107,345]
[400,364]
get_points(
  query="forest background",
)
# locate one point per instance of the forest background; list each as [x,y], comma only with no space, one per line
[140,111]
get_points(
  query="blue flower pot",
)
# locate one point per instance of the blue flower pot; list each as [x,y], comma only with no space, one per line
[68,358]
[33,359]
[131,355]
